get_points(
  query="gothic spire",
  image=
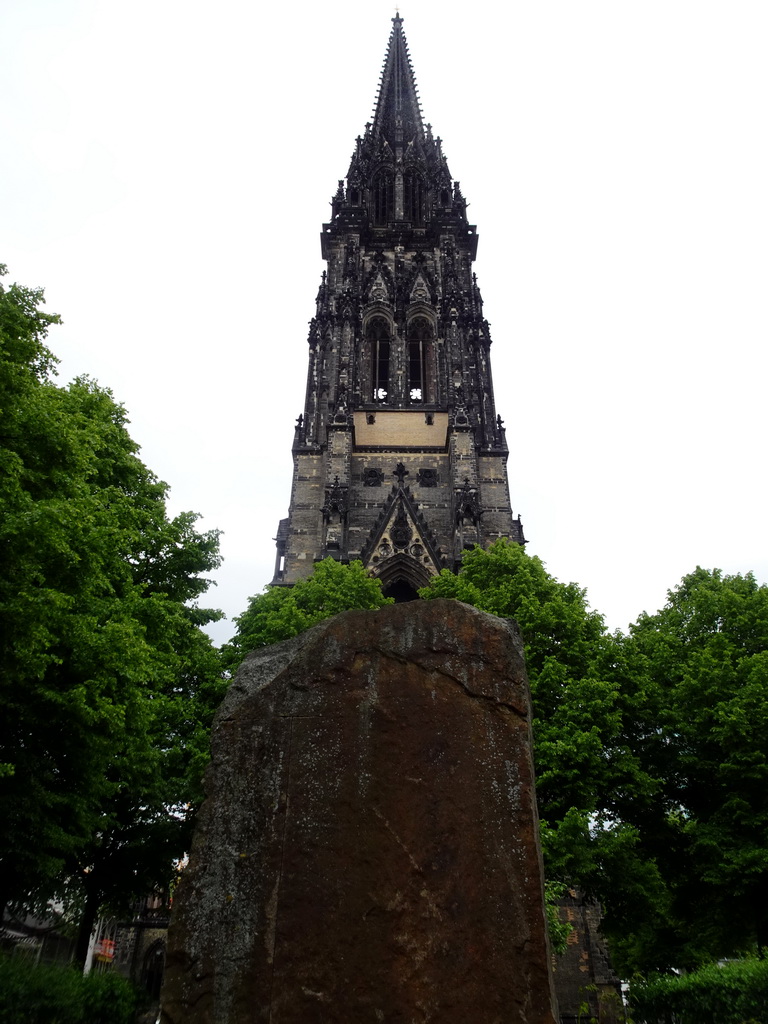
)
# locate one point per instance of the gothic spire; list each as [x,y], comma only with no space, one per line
[399,378]
[397,113]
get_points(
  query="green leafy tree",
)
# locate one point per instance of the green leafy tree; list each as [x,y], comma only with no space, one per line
[107,683]
[282,612]
[729,993]
[704,658]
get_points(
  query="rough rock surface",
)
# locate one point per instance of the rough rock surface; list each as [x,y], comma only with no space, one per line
[368,849]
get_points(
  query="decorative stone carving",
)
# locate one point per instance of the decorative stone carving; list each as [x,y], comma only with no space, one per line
[468,504]
[373,477]
[400,531]
[335,502]
[427,477]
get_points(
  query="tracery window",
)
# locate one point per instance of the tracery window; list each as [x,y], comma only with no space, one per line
[383,198]
[419,338]
[378,338]
[414,198]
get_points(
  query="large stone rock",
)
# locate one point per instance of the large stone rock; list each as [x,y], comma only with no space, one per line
[368,849]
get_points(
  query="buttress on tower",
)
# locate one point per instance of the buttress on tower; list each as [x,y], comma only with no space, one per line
[400,459]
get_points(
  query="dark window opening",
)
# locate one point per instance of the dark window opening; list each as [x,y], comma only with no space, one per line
[415,372]
[371,418]
[383,198]
[152,974]
[355,197]
[419,337]
[430,419]
[414,197]
[378,340]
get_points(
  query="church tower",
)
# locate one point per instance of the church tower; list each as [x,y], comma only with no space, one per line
[400,459]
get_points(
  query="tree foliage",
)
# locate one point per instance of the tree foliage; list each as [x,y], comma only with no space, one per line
[282,612]
[44,994]
[703,660]
[107,682]
[730,993]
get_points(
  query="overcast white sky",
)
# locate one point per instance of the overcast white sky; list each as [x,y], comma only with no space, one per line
[166,167]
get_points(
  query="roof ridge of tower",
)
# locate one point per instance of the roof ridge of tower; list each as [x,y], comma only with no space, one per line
[397,108]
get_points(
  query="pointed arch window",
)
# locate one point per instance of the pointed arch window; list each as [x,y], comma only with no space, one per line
[419,345]
[414,197]
[378,337]
[383,198]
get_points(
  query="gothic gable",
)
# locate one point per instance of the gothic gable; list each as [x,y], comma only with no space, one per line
[379,285]
[420,284]
[401,545]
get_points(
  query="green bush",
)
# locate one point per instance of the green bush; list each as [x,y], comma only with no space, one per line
[734,993]
[31,994]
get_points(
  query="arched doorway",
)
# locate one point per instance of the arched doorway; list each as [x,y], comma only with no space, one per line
[154,965]
[402,576]
[401,590]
